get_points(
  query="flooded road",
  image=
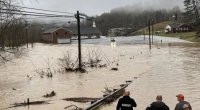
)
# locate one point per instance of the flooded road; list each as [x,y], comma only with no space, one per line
[165,70]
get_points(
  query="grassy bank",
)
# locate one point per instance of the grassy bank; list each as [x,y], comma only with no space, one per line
[159,27]
[189,36]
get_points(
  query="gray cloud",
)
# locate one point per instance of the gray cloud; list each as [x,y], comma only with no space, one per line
[97,7]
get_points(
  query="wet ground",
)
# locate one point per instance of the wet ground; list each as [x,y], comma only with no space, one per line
[167,70]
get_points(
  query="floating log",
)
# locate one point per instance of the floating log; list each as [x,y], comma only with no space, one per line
[81,99]
[28,103]
[110,97]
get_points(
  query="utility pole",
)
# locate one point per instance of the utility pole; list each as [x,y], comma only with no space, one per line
[144,32]
[32,42]
[32,38]
[26,33]
[79,40]
[149,34]
[152,30]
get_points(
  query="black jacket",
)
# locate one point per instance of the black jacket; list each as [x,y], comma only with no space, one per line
[126,103]
[158,106]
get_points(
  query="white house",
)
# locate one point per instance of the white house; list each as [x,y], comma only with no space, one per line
[176,27]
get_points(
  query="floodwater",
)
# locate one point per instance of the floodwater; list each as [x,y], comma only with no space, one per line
[165,70]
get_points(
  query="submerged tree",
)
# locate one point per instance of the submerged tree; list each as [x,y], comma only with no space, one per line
[11,28]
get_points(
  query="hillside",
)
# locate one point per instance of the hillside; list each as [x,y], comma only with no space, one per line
[159,30]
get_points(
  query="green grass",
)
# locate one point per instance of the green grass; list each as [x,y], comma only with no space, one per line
[157,27]
[189,36]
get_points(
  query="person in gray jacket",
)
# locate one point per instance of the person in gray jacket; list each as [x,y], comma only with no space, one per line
[182,105]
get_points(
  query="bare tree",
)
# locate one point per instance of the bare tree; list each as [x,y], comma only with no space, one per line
[11,27]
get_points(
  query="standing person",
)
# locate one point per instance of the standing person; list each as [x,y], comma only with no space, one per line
[158,104]
[182,105]
[126,103]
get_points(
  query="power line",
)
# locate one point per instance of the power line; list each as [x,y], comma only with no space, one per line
[27,14]
[13,11]
[44,10]
[31,13]
[40,9]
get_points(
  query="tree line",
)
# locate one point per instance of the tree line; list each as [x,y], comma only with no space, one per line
[121,18]
[192,8]
[15,28]
[10,25]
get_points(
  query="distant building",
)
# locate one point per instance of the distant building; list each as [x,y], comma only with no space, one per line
[86,32]
[119,31]
[176,27]
[58,35]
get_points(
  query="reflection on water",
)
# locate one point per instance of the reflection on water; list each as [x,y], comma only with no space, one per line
[165,70]
[113,43]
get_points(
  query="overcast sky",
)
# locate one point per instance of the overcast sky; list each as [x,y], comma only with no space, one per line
[97,7]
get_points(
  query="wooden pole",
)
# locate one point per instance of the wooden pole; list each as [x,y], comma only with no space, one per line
[32,38]
[152,30]
[149,34]
[79,40]
[32,42]
[26,34]
[144,32]
[28,102]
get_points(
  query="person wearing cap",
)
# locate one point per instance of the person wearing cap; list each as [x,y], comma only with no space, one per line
[126,103]
[158,104]
[182,105]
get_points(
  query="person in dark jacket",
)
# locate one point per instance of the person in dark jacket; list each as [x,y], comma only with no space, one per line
[126,103]
[182,105]
[158,104]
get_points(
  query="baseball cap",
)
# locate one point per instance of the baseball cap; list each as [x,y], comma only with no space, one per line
[181,96]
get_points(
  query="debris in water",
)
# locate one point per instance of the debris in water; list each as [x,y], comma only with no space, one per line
[69,70]
[50,94]
[73,107]
[114,69]
[28,103]
[81,70]
[81,99]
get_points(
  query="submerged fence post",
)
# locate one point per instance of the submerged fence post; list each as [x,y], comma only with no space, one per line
[28,102]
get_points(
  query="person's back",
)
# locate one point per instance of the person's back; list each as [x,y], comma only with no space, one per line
[158,105]
[126,103]
[182,105]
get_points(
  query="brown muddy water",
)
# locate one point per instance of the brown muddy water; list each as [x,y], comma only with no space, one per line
[165,70]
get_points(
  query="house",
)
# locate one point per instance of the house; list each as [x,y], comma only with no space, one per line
[86,32]
[176,27]
[58,35]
